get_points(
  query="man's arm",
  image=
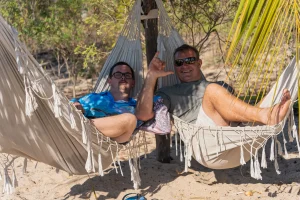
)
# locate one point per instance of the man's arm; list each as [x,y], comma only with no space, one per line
[144,109]
[77,102]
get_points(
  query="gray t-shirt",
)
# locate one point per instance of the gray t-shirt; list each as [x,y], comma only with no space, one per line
[184,100]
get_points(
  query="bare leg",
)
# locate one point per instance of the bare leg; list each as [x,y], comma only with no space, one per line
[118,127]
[222,108]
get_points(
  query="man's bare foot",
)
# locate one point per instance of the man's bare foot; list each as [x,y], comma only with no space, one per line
[278,112]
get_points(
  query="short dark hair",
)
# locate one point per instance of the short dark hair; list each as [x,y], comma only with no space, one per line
[186,47]
[120,63]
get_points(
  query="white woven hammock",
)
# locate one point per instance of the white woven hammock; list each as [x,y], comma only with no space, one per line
[42,125]
[222,147]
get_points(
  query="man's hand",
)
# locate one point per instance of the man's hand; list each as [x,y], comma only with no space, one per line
[144,108]
[79,106]
[156,68]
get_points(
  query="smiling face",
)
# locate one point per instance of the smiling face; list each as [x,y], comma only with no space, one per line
[121,83]
[188,72]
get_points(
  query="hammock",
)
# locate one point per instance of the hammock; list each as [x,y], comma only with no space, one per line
[41,124]
[226,147]
[222,147]
[55,133]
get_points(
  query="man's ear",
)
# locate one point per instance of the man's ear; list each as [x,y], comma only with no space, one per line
[133,84]
[200,63]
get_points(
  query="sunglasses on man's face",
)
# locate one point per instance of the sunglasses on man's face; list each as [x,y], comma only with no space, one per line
[189,60]
[119,75]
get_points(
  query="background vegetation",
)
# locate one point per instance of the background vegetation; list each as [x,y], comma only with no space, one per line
[74,37]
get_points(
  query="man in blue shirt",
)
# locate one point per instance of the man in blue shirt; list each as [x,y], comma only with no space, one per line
[112,112]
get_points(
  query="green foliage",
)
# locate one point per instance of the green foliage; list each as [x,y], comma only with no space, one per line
[76,31]
[81,33]
[196,20]
[90,54]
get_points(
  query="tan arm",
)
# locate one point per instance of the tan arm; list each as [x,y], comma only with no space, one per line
[144,109]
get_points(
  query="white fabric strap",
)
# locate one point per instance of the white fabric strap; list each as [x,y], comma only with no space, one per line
[100,168]
[90,164]
[180,150]
[257,167]
[272,153]
[57,102]
[275,161]
[264,158]
[242,160]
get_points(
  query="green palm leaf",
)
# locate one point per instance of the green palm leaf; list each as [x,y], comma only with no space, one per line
[265,31]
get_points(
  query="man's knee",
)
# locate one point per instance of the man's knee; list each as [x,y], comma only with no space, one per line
[130,119]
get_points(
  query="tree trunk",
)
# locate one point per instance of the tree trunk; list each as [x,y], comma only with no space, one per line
[151,32]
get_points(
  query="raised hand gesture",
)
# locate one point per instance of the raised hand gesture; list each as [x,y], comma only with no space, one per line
[156,68]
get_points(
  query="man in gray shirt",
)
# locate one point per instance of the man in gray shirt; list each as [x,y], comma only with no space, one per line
[195,94]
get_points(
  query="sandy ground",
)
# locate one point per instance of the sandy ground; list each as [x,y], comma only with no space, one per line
[161,181]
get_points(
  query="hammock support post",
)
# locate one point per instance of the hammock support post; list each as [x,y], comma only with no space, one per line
[151,34]
[151,29]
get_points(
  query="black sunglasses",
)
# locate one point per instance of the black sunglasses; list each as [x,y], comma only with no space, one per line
[119,75]
[189,60]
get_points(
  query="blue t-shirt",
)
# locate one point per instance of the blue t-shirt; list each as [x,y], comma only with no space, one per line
[102,104]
